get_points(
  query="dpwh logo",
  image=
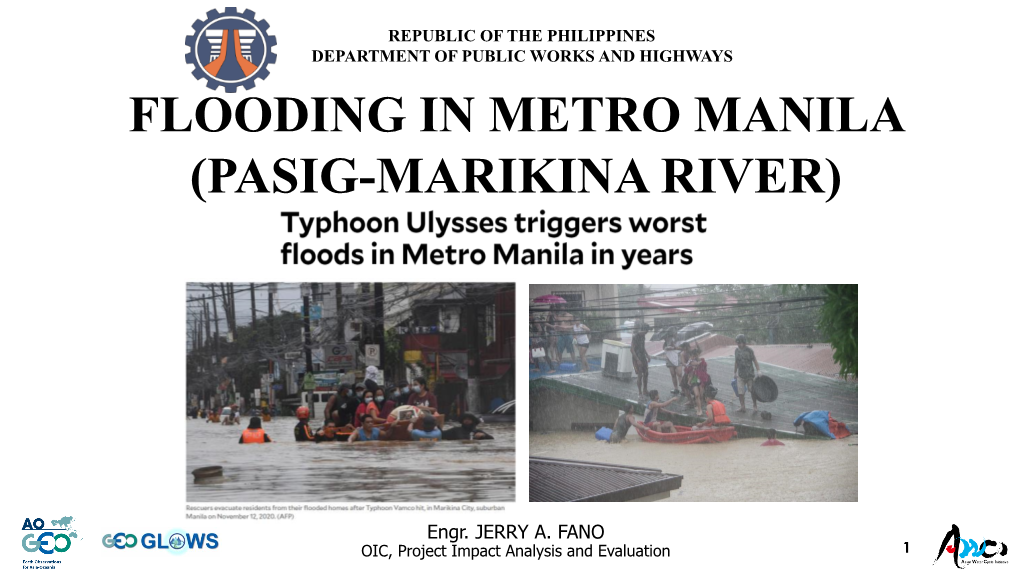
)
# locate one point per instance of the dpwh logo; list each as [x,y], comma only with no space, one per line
[230,49]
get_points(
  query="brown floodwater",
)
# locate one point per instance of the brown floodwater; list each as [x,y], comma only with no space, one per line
[738,470]
[386,472]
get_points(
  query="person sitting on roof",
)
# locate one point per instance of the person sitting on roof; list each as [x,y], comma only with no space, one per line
[254,434]
[429,431]
[468,429]
[652,414]
[715,412]
[772,441]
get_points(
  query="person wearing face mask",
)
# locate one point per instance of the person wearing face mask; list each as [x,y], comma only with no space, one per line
[341,402]
[389,403]
[421,397]
[403,393]
[370,408]
[372,379]
[468,429]
[344,428]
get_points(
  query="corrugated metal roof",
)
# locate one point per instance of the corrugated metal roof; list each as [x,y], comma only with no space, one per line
[554,480]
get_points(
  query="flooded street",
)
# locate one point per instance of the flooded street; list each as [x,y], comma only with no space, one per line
[387,472]
[738,470]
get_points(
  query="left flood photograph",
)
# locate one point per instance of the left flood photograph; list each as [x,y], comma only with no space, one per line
[351,392]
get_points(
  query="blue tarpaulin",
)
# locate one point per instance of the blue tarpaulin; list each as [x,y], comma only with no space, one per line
[819,419]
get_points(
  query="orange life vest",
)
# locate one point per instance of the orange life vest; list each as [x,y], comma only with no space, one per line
[250,436]
[719,413]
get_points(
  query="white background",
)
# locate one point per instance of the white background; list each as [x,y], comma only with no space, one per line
[101,233]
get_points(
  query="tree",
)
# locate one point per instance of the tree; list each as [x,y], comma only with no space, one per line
[393,355]
[838,320]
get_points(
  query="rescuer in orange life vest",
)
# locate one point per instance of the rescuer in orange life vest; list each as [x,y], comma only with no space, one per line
[715,411]
[302,432]
[254,434]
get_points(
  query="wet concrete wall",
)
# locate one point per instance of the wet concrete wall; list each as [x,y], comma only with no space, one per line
[556,411]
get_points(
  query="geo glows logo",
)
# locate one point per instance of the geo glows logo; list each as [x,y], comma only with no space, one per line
[47,542]
[230,49]
[175,541]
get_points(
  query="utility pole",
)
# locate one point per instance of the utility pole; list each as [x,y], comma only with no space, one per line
[339,312]
[197,342]
[308,352]
[216,323]
[272,288]
[198,328]
[253,309]
[205,315]
[192,325]
[228,310]
[380,329]
[474,393]
[233,309]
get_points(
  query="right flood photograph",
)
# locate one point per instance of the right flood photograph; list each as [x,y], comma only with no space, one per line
[699,392]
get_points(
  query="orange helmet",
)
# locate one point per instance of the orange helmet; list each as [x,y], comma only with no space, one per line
[302,413]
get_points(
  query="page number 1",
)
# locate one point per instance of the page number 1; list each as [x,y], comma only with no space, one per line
[906,546]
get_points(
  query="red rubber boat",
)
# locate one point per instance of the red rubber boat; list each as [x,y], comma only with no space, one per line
[685,435]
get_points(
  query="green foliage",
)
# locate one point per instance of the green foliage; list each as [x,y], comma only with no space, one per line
[393,356]
[838,320]
[791,322]
[247,358]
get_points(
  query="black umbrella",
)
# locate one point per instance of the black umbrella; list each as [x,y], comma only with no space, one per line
[661,333]
[693,331]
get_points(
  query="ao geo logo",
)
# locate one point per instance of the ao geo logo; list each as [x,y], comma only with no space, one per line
[42,538]
[175,541]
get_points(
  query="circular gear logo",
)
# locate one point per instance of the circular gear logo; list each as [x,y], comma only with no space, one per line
[230,49]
